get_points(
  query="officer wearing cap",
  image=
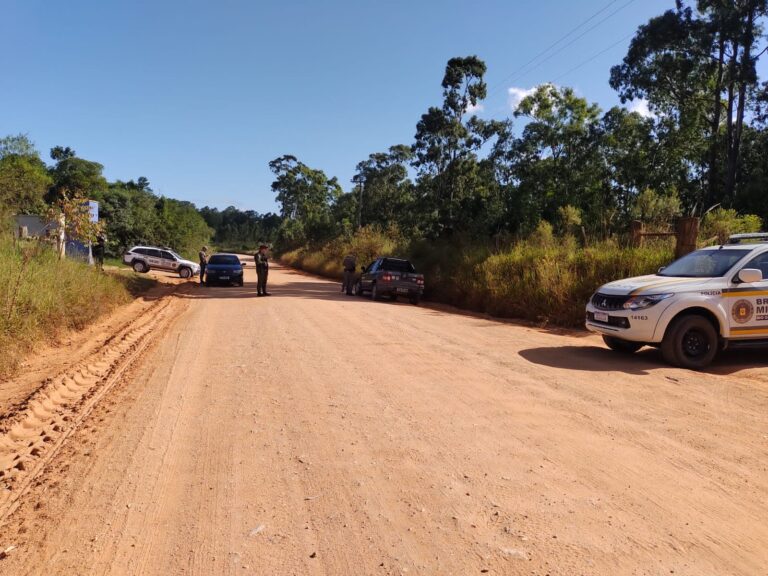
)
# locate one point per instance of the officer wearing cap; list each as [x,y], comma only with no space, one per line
[262,270]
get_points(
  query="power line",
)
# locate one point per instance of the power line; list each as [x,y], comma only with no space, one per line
[524,72]
[561,39]
[594,57]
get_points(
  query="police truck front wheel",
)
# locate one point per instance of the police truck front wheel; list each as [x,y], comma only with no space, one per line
[185,272]
[690,342]
[623,346]
[140,267]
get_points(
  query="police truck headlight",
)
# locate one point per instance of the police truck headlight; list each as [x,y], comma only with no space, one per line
[643,302]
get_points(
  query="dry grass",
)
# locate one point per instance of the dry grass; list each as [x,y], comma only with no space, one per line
[547,281]
[41,297]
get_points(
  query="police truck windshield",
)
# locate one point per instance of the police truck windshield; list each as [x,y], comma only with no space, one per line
[704,264]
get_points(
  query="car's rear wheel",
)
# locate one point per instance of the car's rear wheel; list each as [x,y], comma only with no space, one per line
[359,289]
[623,346]
[393,297]
[140,267]
[375,295]
[415,300]
[185,273]
[690,342]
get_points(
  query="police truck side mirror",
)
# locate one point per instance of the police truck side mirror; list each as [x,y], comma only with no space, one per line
[750,275]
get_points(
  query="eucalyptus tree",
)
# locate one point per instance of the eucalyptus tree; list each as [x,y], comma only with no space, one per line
[448,140]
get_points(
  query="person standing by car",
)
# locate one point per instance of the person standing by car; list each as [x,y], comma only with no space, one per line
[203,262]
[262,270]
[349,265]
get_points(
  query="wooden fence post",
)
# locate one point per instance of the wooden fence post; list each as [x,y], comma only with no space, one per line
[636,230]
[687,234]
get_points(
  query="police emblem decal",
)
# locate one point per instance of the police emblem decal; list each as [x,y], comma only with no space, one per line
[742,311]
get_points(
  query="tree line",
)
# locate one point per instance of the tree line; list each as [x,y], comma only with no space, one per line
[131,211]
[559,158]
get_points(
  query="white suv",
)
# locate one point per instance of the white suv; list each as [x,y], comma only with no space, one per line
[144,258]
[704,302]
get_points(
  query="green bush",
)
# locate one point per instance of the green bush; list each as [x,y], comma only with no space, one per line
[719,224]
[42,296]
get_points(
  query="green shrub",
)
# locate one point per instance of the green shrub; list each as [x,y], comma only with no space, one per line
[720,223]
[42,296]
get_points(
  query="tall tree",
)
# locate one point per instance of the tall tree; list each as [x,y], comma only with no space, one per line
[383,190]
[75,175]
[24,178]
[697,64]
[447,143]
[306,197]
[558,161]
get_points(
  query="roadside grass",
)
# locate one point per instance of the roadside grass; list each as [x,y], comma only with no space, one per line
[41,297]
[545,280]
[116,262]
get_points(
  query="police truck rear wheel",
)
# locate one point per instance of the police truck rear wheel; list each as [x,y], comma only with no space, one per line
[690,342]
[623,346]
[140,267]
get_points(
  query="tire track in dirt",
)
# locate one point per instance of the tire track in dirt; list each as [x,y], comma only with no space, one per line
[34,430]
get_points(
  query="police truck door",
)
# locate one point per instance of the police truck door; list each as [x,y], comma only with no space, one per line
[747,305]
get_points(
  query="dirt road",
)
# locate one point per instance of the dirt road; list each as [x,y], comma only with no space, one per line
[314,433]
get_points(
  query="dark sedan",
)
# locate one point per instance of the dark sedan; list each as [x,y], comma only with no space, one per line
[224,269]
[391,277]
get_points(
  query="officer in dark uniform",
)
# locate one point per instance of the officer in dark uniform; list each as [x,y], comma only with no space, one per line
[349,265]
[101,248]
[262,270]
[203,262]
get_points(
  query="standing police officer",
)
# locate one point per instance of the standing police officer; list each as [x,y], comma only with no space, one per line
[262,270]
[350,265]
[203,262]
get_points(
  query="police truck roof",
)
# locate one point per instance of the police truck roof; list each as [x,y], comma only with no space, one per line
[749,238]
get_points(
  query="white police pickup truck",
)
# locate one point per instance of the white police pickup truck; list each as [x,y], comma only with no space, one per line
[704,302]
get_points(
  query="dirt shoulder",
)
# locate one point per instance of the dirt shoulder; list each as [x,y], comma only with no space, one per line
[73,347]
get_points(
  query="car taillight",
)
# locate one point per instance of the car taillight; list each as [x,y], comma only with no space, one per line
[420,281]
[390,278]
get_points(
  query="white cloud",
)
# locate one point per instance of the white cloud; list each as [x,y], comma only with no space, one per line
[474,109]
[641,107]
[517,95]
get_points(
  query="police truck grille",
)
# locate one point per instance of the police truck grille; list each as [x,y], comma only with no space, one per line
[606,302]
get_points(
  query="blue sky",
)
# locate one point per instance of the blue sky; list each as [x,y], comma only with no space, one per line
[199,96]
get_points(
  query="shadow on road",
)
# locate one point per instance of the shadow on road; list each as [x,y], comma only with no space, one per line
[597,359]
[593,359]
